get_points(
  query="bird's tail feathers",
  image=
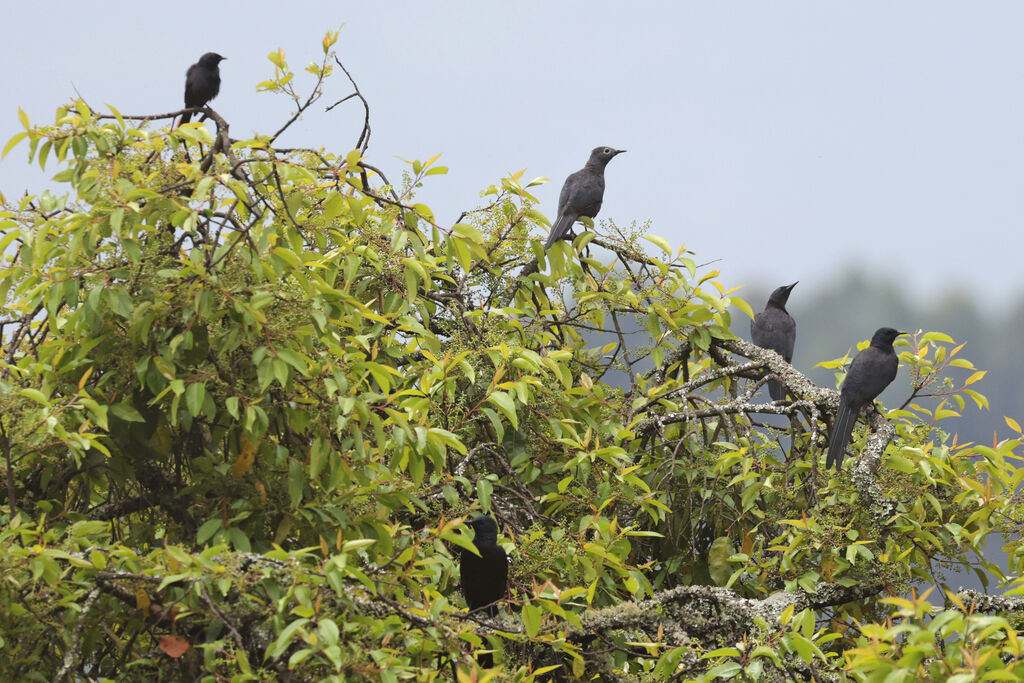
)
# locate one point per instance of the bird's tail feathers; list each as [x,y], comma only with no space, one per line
[846,418]
[185,118]
[776,390]
[559,230]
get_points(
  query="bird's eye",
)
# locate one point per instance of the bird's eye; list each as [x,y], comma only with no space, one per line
[607,150]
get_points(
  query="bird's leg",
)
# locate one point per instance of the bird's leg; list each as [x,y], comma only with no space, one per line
[875,409]
[794,449]
[184,147]
[583,263]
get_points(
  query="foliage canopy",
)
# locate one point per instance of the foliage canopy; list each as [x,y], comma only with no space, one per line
[249,394]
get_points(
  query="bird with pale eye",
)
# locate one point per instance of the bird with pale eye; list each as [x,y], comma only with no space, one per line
[582,194]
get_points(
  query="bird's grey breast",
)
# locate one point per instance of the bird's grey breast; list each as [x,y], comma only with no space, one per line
[589,194]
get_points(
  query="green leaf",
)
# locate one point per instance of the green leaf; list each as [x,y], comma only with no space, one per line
[660,242]
[283,641]
[483,494]
[288,256]
[195,394]
[85,529]
[468,232]
[35,395]
[718,560]
[357,543]
[207,530]
[742,305]
[531,619]
[503,402]
[125,412]
[725,670]
[296,483]
[900,464]
[460,539]
[13,142]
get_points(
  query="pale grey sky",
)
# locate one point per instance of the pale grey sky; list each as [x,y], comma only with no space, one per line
[879,131]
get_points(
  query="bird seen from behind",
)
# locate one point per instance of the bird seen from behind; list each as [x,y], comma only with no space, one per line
[872,370]
[484,578]
[202,82]
[774,328]
[582,193]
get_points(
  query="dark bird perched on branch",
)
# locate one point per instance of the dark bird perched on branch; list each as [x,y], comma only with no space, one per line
[484,578]
[202,82]
[774,328]
[872,370]
[582,193]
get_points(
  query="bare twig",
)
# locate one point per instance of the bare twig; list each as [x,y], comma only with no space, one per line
[220,615]
[364,136]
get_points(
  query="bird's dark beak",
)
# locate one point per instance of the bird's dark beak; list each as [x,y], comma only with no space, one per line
[793,285]
[619,151]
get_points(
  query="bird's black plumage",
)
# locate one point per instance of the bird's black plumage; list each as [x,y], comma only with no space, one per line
[582,193]
[202,82]
[484,578]
[774,328]
[872,370]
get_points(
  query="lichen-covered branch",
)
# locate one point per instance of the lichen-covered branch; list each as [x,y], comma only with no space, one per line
[865,470]
[704,613]
[980,602]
